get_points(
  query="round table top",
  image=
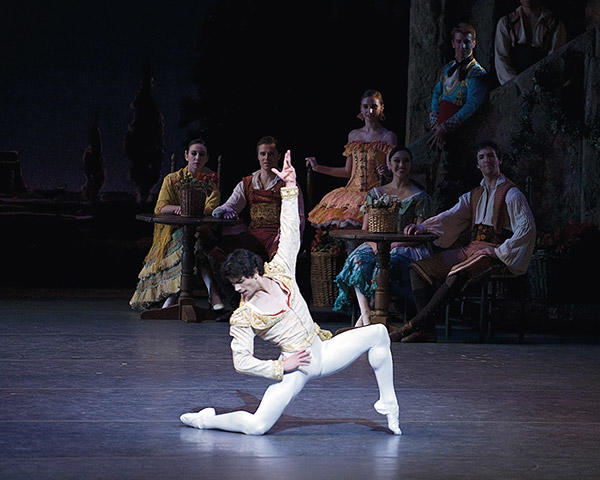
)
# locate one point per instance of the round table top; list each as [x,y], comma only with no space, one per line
[170,219]
[366,235]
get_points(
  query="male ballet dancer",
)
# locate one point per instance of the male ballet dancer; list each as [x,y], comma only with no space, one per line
[273,308]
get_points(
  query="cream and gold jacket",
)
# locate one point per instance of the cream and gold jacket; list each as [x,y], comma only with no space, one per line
[292,329]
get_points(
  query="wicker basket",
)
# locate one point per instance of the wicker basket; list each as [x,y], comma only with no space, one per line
[383,220]
[193,201]
[324,266]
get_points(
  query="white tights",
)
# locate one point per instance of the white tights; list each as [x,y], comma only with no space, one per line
[327,358]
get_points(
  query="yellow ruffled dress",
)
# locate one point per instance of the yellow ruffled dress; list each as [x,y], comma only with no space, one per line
[161,274]
[341,207]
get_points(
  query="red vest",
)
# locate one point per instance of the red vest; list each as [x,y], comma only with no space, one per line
[265,205]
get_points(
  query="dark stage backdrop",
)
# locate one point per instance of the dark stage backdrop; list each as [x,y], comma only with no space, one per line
[243,69]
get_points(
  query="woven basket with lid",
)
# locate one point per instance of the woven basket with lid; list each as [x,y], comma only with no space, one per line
[383,220]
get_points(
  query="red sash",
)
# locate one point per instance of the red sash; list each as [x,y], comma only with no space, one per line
[447,110]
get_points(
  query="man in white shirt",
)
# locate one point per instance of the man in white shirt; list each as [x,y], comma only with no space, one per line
[524,37]
[502,232]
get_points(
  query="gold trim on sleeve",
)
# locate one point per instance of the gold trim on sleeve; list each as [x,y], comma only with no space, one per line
[274,269]
[241,316]
[289,192]
[278,370]
[324,334]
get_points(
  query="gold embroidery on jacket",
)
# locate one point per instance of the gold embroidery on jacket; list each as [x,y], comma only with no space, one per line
[307,341]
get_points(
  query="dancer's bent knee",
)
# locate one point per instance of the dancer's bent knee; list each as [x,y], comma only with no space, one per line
[381,333]
[276,398]
[257,428]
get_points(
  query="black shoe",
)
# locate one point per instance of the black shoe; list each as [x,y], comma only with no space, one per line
[398,333]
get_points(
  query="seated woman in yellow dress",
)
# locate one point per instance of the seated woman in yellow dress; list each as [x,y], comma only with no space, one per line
[365,154]
[160,277]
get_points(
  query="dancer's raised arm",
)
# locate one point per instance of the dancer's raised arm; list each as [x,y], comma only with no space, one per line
[289,220]
[287,173]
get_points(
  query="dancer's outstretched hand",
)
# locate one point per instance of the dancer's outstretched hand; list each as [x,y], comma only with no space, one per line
[287,173]
[296,360]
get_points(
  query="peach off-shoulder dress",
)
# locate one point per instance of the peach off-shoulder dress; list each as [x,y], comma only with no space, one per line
[341,207]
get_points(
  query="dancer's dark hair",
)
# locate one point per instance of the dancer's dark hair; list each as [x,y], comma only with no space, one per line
[242,263]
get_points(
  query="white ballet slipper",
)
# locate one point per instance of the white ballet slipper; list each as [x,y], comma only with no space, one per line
[392,413]
[196,420]
[218,306]
[171,300]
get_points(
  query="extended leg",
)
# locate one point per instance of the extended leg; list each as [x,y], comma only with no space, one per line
[275,400]
[344,349]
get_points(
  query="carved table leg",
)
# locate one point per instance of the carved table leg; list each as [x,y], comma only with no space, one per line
[186,302]
[382,293]
[187,262]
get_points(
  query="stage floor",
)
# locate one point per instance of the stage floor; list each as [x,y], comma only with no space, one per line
[89,391]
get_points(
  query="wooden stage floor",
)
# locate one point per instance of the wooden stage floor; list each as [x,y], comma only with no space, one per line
[89,391]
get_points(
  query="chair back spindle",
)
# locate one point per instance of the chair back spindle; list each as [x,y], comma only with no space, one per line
[309,186]
[219,162]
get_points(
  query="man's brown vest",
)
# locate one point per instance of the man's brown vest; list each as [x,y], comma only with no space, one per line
[500,218]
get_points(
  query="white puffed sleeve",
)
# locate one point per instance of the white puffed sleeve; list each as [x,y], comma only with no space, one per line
[244,361]
[449,224]
[236,202]
[516,251]
[289,240]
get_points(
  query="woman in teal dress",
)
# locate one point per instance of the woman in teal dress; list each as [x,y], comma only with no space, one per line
[359,271]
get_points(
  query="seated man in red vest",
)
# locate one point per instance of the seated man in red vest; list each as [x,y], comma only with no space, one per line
[256,199]
[260,191]
[502,232]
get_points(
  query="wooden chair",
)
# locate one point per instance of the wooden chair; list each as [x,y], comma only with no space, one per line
[11,179]
[491,292]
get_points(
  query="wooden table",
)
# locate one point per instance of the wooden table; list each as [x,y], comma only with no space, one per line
[185,309]
[384,240]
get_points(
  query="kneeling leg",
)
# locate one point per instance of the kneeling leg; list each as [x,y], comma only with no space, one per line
[276,398]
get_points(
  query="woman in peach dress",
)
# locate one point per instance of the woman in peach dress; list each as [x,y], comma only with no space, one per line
[365,154]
